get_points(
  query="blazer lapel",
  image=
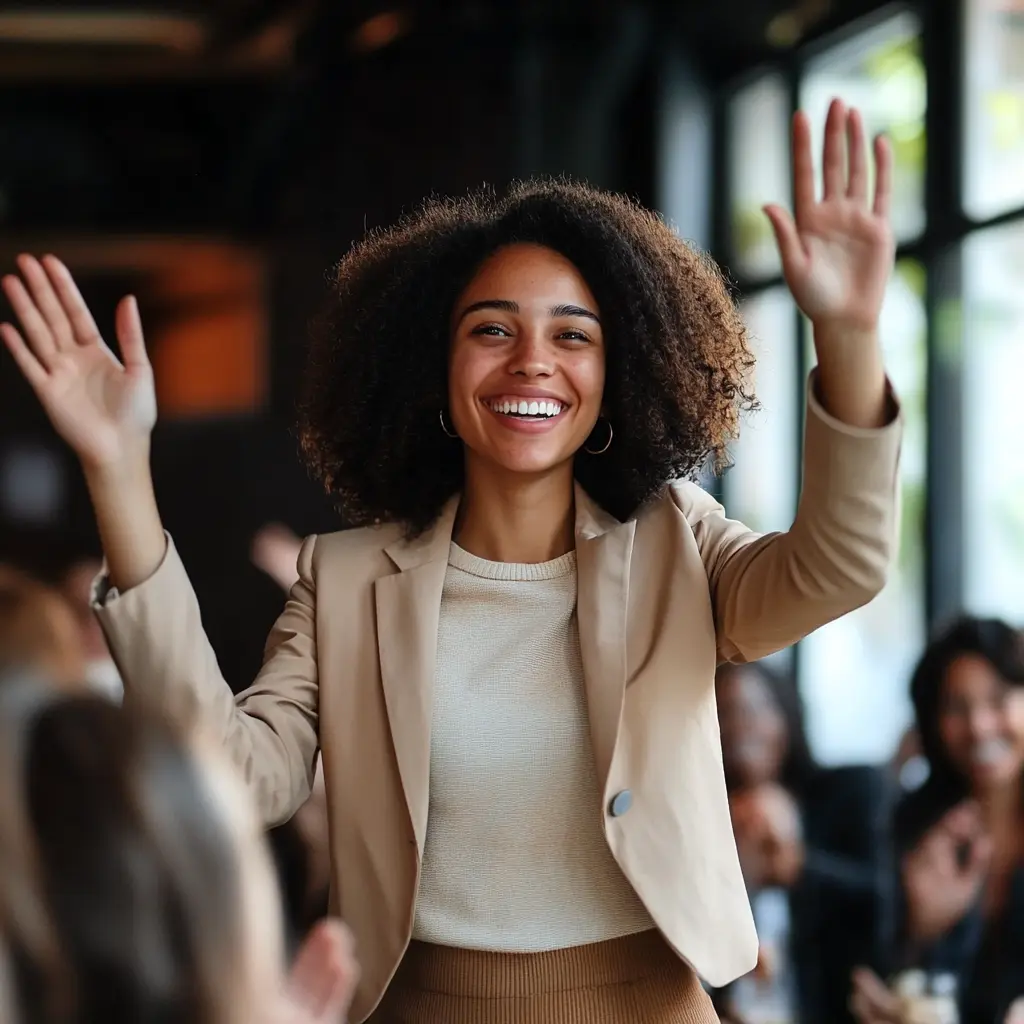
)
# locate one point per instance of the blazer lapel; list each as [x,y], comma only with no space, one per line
[603,550]
[408,608]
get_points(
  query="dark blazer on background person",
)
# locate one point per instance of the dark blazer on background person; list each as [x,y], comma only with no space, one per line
[842,908]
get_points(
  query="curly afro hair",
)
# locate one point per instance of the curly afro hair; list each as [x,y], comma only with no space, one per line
[678,372]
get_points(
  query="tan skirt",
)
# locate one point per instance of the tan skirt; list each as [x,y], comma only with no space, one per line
[635,979]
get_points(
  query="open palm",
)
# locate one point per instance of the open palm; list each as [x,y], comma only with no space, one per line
[838,252]
[103,408]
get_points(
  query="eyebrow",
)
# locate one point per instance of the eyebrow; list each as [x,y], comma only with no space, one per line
[509,306]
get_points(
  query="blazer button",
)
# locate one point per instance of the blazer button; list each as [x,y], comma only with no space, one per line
[620,803]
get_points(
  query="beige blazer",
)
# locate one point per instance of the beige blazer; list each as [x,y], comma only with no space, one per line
[662,599]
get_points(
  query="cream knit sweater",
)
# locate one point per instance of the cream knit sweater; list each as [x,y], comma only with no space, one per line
[515,856]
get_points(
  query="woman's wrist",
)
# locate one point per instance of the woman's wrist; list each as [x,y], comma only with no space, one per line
[851,374]
[130,470]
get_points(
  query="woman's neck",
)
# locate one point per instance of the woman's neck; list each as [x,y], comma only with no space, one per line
[513,517]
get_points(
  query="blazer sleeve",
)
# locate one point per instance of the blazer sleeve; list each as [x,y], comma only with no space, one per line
[156,637]
[770,590]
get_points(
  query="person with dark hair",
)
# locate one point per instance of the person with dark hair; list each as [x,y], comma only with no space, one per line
[507,666]
[134,884]
[815,849]
[961,834]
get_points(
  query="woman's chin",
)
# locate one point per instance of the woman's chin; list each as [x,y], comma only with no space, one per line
[529,462]
[995,775]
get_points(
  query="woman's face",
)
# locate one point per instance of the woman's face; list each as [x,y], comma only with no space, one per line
[752,727]
[527,362]
[981,722]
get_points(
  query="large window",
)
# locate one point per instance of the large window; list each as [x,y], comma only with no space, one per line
[993,526]
[994,107]
[880,71]
[758,173]
[760,488]
[854,671]
[965,272]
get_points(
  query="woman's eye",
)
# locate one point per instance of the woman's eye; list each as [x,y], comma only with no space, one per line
[574,336]
[492,330]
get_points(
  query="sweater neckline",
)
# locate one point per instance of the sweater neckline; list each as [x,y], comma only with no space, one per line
[520,572]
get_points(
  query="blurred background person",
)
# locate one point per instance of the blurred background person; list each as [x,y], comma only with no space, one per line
[135,886]
[38,629]
[961,835]
[275,551]
[814,846]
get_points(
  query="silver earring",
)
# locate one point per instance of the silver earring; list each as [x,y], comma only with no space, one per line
[450,433]
[607,444]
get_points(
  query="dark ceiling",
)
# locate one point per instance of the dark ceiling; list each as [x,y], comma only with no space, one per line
[195,114]
[215,36]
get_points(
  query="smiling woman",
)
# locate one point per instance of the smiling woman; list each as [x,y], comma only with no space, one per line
[508,666]
[554,286]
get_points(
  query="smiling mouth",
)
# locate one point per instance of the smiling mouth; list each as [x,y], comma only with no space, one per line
[536,410]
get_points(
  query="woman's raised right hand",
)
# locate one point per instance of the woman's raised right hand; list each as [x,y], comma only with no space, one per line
[104,408]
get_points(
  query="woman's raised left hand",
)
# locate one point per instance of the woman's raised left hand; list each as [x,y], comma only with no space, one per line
[837,252]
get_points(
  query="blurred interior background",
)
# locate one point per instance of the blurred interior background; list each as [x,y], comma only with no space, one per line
[215,157]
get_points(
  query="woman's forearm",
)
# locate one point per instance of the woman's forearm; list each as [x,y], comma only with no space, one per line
[128,520]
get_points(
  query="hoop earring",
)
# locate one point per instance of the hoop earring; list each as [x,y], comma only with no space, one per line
[607,444]
[450,433]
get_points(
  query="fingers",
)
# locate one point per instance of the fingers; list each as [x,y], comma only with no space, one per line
[128,325]
[964,822]
[36,329]
[979,856]
[787,237]
[871,1000]
[82,323]
[833,162]
[34,371]
[883,176]
[47,302]
[803,167]
[324,976]
[845,167]
[857,184]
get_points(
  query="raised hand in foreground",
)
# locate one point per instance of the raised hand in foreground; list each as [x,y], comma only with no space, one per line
[837,254]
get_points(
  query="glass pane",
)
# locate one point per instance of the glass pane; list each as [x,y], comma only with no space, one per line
[855,672]
[758,173]
[881,72]
[993,466]
[994,107]
[760,487]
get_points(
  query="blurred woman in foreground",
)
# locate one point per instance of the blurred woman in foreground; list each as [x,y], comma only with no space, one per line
[133,882]
[962,833]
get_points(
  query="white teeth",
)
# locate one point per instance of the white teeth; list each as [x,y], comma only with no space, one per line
[526,408]
[989,751]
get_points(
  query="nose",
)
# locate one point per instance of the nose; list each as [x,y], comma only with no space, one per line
[532,356]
